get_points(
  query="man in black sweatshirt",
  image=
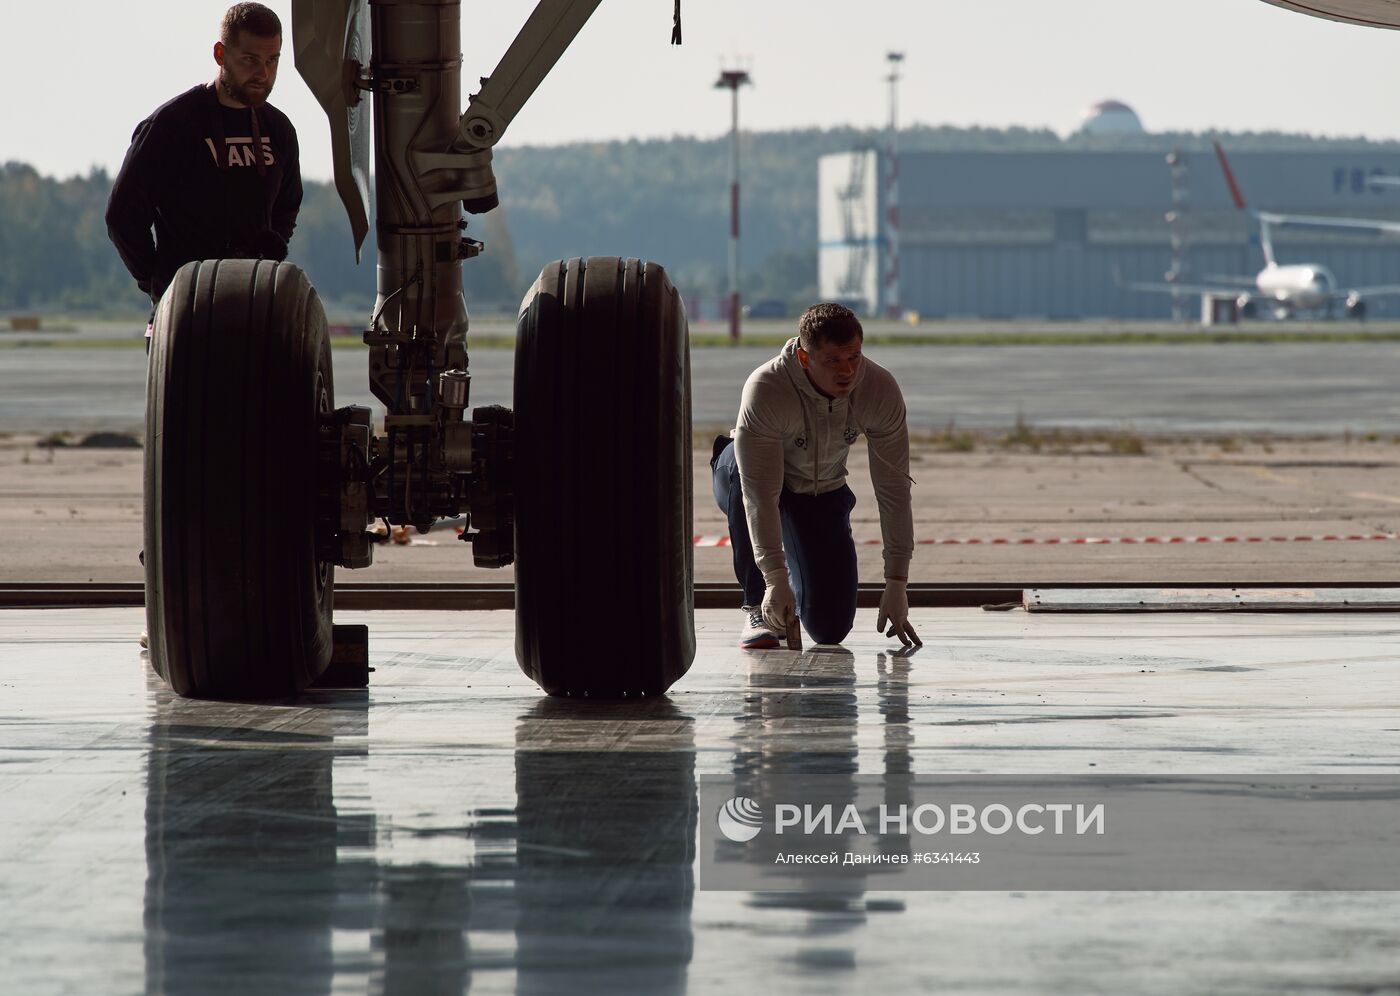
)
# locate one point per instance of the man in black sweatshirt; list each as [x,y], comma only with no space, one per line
[214,171]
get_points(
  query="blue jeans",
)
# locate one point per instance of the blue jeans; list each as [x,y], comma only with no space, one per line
[817,544]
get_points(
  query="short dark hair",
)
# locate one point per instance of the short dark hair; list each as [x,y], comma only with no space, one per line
[828,322]
[253,18]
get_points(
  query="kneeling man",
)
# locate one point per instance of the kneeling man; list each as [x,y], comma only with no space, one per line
[782,484]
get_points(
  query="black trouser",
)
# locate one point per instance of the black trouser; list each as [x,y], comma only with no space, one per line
[817,544]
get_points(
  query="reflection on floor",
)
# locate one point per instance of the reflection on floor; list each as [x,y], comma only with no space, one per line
[452,829]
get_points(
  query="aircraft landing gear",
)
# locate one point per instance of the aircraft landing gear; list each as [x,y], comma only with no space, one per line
[257,487]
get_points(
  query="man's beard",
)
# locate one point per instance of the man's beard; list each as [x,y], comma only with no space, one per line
[242,94]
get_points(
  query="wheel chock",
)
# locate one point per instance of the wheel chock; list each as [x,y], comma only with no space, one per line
[349,666]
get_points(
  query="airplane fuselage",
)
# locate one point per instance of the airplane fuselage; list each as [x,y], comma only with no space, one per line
[1300,285]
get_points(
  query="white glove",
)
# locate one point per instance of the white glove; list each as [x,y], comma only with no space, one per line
[894,609]
[779,605]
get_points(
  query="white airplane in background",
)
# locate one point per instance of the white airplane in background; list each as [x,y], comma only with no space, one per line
[1288,289]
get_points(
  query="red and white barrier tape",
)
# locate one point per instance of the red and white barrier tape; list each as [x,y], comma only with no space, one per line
[1100,540]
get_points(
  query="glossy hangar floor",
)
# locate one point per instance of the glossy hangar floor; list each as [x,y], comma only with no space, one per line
[452,829]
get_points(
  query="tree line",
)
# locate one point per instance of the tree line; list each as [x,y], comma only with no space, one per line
[663,199]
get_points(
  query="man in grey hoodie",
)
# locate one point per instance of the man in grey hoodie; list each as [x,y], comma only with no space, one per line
[782,484]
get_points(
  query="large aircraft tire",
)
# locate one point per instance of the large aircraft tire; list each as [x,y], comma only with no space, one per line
[237,603]
[604,566]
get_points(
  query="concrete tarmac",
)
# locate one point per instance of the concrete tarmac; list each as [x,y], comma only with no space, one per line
[1262,507]
[453,829]
[1288,388]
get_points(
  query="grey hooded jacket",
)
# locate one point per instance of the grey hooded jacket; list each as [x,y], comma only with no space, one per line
[791,435]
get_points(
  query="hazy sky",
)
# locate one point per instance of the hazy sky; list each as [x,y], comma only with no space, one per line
[83,72]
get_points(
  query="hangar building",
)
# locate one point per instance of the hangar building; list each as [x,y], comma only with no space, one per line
[1044,234]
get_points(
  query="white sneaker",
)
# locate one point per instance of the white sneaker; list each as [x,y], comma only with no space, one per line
[145,641]
[756,635]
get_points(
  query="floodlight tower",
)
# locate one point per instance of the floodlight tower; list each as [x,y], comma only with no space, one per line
[731,80]
[892,303]
[1177,219]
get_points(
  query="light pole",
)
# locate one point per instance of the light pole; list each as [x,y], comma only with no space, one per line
[1177,229]
[732,79]
[892,302]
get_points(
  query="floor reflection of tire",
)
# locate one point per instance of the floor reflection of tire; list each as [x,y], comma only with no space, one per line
[241,839]
[237,602]
[605,849]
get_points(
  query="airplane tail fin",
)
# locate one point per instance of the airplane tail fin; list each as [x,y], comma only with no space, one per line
[1265,241]
[1235,194]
